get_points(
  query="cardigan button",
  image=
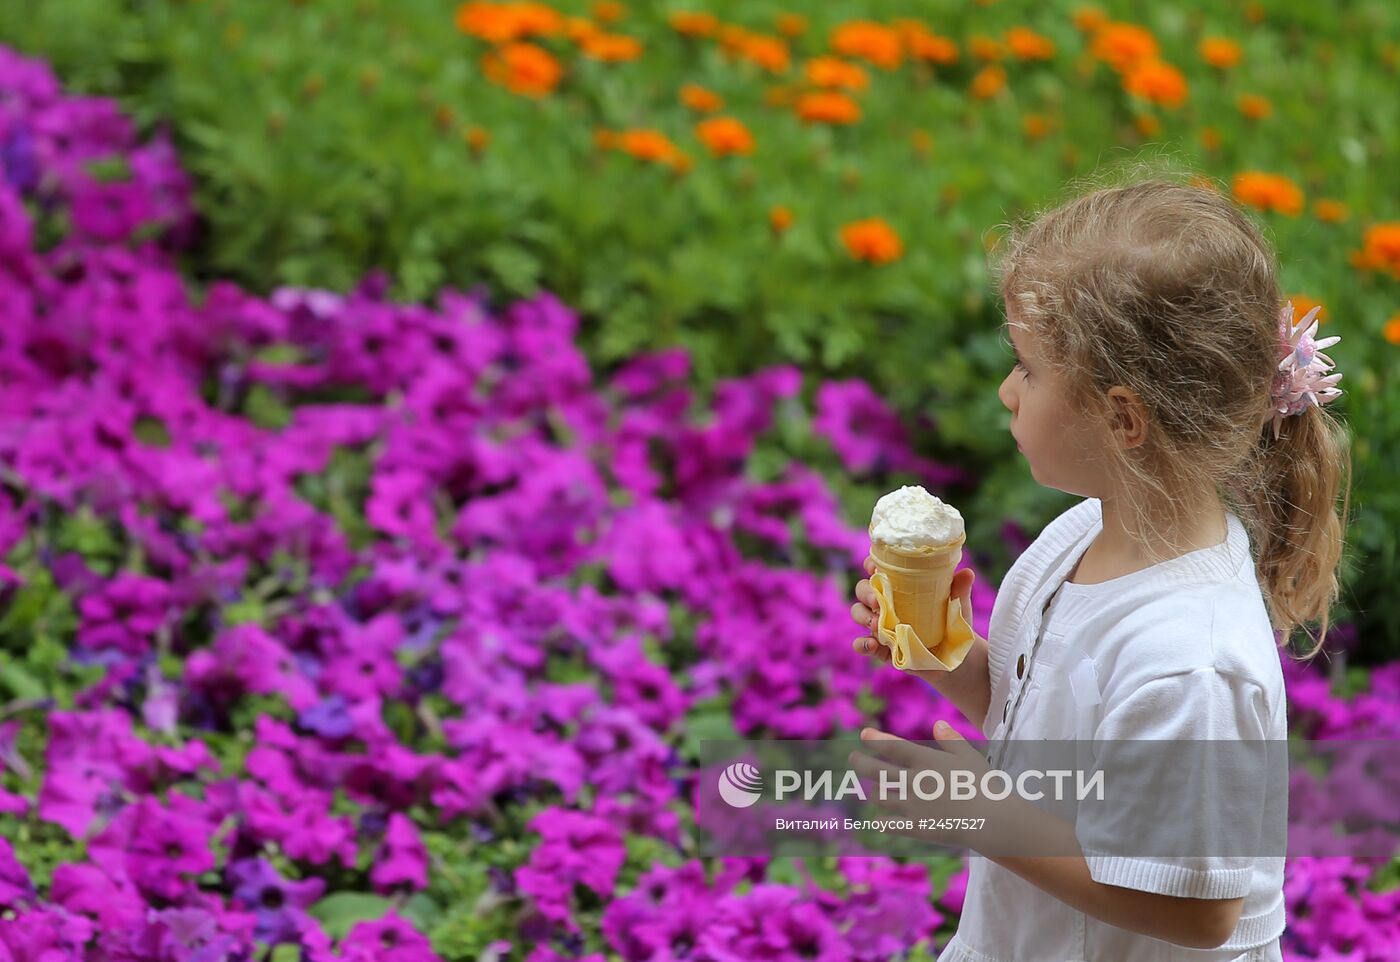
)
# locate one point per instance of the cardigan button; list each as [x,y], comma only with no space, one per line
[1021,667]
[1006,710]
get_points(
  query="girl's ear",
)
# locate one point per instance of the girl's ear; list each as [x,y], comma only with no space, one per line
[1129,416]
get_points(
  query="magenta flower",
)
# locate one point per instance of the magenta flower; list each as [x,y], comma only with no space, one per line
[125,614]
[390,939]
[575,848]
[402,860]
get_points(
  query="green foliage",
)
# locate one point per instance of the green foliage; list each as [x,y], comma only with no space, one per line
[460,911]
[339,911]
[709,720]
[41,847]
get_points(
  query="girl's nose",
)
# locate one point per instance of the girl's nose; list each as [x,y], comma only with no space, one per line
[1007,394]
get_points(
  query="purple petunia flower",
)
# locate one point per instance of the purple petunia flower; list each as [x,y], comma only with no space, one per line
[280,904]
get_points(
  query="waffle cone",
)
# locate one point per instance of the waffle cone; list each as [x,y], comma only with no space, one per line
[925,629]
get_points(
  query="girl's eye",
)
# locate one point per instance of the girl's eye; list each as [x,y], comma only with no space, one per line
[1024,373]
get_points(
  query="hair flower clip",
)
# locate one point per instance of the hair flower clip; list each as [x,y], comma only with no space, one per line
[1301,380]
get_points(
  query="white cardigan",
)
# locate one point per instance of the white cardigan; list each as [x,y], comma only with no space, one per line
[1179,650]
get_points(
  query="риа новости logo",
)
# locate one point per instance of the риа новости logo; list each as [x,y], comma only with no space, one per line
[740,785]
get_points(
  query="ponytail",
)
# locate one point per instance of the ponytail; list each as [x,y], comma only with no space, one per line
[1288,501]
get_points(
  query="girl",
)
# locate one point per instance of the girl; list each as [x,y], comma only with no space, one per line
[1149,332]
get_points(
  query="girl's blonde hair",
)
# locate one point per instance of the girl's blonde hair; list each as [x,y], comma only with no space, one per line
[1160,283]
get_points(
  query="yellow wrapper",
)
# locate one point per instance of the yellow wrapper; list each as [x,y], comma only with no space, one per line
[925,629]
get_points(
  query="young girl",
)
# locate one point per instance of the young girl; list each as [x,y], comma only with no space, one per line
[1149,332]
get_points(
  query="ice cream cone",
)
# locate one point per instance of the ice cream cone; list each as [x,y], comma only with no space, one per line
[924,628]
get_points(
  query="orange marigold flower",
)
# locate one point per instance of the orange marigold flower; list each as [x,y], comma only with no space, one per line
[700,99]
[1026,44]
[1147,125]
[1391,331]
[504,22]
[694,24]
[1302,303]
[443,117]
[724,136]
[1035,126]
[791,24]
[828,107]
[1268,192]
[1120,45]
[650,145]
[988,81]
[834,72]
[770,53]
[869,41]
[1254,12]
[1332,211]
[1255,107]
[1380,249]
[604,139]
[780,218]
[985,48]
[608,11]
[611,47]
[732,38]
[1220,52]
[523,68]
[581,29]
[922,141]
[930,47]
[1156,81]
[1210,138]
[872,240]
[477,138]
[1089,19]
[908,27]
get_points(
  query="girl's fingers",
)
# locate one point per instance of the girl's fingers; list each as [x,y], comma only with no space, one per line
[871,646]
[862,615]
[867,595]
[870,564]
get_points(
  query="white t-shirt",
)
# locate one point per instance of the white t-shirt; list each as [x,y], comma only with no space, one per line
[1179,650]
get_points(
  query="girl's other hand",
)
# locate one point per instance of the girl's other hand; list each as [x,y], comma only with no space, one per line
[866,612]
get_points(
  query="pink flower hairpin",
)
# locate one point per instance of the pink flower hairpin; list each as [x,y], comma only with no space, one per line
[1299,382]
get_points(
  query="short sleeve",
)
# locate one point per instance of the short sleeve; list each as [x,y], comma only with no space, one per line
[1186,781]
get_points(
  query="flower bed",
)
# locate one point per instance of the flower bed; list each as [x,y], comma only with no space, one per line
[339,628]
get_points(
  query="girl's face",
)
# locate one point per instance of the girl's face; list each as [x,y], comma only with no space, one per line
[1063,453]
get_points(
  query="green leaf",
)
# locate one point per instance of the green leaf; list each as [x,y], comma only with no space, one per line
[279,354]
[515,267]
[110,169]
[19,681]
[265,410]
[339,911]
[244,611]
[708,721]
[88,535]
[422,911]
[151,431]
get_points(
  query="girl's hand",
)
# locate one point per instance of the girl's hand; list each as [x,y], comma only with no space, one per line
[866,612]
